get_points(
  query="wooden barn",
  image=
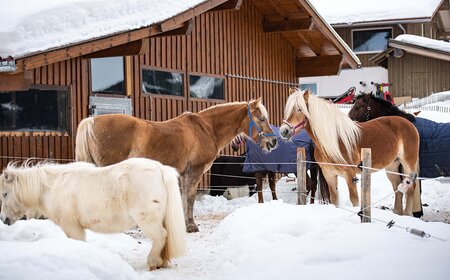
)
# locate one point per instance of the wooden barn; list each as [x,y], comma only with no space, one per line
[417,66]
[210,52]
[367,26]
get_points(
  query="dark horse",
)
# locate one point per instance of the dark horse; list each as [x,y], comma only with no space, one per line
[434,149]
[189,142]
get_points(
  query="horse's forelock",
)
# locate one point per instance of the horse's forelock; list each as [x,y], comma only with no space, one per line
[294,102]
[263,110]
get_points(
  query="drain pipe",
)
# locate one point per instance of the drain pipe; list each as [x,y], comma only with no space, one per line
[402,28]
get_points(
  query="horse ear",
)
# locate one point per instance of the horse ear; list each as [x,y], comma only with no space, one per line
[306,94]
[9,176]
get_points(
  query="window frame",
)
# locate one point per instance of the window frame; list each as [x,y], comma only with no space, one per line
[308,83]
[188,88]
[370,29]
[66,132]
[110,94]
[164,69]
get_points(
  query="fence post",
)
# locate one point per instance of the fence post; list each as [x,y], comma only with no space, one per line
[366,157]
[301,176]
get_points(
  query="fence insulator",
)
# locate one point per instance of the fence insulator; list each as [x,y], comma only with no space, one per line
[417,232]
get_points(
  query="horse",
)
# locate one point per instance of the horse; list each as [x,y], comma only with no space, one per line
[189,142]
[79,196]
[226,173]
[434,148]
[392,140]
[264,165]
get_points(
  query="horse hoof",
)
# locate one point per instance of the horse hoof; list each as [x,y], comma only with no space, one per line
[192,228]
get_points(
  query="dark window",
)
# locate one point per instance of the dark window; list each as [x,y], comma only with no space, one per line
[372,40]
[162,82]
[34,110]
[206,87]
[108,75]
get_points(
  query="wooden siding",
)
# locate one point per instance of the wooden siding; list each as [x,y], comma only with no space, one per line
[418,76]
[221,43]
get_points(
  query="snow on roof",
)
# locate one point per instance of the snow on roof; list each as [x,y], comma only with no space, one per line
[424,42]
[357,11]
[28,26]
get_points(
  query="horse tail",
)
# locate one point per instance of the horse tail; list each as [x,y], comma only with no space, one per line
[174,216]
[84,136]
[324,193]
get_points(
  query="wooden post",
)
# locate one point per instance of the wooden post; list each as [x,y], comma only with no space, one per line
[366,157]
[301,176]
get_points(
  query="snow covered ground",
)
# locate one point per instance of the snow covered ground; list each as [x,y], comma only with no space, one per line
[241,239]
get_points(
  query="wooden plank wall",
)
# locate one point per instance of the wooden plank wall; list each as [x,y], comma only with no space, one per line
[221,43]
[418,76]
[60,146]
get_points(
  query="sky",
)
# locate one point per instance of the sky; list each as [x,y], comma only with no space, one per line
[241,239]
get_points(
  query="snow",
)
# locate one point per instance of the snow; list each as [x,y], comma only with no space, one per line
[424,42]
[241,239]
[28,26]
[355,11]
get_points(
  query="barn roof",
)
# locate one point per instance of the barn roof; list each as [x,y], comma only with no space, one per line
[363,12]
[48,31]
[415,45]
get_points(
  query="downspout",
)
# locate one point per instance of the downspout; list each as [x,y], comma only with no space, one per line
[402,28]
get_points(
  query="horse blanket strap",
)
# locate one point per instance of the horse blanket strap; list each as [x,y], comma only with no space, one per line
[252,123]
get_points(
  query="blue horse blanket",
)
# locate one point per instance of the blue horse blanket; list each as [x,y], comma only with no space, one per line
[434,147]
[283,159]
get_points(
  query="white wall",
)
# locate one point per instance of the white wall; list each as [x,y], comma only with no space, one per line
[337,85]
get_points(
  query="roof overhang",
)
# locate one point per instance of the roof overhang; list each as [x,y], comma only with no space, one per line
[123,43]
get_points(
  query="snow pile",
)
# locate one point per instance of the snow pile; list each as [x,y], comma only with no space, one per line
[38,249]
[354,11]
[424,42]
[28,26]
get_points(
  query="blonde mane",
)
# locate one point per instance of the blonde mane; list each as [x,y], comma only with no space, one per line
[260,106]
[329,125]
[35,180]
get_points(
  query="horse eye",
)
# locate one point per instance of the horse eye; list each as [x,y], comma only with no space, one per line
[262,119]
[4,194]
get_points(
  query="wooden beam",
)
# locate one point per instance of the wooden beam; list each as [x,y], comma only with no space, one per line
[90,46]
[419,50]
[312,38]
[286,25]
[232,5]
[132,48]
[16,82]
[318,65]
[184,29]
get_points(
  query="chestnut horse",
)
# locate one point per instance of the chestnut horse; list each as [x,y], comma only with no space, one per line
[393,141]
[189,142]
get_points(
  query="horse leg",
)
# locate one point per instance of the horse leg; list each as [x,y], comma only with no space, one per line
[190,181]
[72,229]
[395,181]
[271,177]
[152,227]
[332,182]
[311,182]
[259,183]
[352,190]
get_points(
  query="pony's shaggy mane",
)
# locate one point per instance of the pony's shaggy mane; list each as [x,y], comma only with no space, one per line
[32,179]
[329,125]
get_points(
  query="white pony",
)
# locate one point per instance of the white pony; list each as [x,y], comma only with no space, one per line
[79,196]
